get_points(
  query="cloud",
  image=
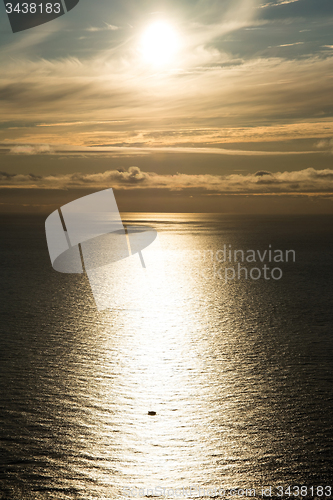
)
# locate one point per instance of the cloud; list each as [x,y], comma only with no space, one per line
[107,95]
[290,44]
[306,182]
[262,173]
[103,28]
[218,96]
[325,144]
[31,149]
[279,2]
[139,150]
[120,136]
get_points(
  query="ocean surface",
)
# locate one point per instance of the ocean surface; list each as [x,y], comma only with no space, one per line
[239,371]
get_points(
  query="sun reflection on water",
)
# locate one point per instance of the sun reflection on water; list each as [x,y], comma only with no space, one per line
[181,344]
[236,375]
[157,359]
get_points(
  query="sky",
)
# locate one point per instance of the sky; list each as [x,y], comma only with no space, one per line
[179,105]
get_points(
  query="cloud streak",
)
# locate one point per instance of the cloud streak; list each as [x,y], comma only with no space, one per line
[305,182]
[279,2]
[106,151]
[250,95]
[106,27]
[31,149]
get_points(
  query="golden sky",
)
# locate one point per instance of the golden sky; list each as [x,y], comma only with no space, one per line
[177,105]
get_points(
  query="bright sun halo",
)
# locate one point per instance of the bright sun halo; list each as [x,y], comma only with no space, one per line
[159,43]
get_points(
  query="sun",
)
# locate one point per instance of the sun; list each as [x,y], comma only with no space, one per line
[159,43]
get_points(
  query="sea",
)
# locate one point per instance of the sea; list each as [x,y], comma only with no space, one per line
[218,383]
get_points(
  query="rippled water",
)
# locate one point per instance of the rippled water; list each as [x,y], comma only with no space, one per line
[239,374]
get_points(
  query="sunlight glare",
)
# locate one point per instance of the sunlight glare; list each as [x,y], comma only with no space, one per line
[159,43]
